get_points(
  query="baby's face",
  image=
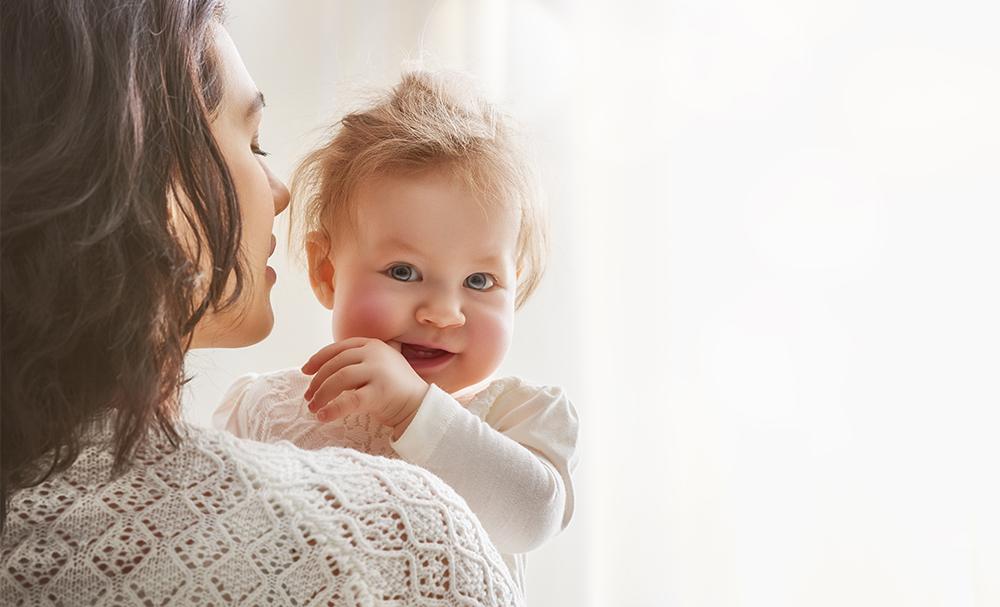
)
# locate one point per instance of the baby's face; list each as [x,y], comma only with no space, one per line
[431,269]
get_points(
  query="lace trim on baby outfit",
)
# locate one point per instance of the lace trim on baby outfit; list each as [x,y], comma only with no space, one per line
[278,412]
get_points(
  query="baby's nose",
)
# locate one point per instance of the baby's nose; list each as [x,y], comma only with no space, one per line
[441,313]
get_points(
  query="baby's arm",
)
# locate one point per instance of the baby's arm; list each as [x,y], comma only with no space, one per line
[269,407]
[233,414]
[513,470]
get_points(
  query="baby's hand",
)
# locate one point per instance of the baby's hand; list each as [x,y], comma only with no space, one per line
[364,375]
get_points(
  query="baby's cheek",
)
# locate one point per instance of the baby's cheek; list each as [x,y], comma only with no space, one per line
[364,314]
[491,334]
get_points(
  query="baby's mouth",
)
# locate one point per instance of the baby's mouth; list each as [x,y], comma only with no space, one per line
[414,352]
[424,359]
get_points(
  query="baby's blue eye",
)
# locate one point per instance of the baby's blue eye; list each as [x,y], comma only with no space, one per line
[480,281]
[403,273]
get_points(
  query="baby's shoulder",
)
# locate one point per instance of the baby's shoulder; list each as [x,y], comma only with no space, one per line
[262,405]
[515,396]
[517,388]
[280,385]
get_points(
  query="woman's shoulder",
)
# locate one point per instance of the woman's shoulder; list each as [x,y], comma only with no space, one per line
[323,485]
[233,520]
[363,507]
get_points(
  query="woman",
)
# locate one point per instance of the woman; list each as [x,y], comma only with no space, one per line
[137,216]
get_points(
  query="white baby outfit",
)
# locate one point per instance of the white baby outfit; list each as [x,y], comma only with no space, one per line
[508,450]
[221,520]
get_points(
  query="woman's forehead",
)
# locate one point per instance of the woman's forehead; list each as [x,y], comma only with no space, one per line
[240,99]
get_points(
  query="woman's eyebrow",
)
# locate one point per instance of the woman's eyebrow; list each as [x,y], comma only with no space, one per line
[256,105]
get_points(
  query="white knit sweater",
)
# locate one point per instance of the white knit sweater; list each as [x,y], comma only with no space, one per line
[508,448]
[221,520]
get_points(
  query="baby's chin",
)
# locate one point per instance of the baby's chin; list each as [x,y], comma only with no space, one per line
[465,388]
[448,385]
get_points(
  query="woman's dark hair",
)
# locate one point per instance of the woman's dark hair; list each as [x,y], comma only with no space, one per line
[114,197]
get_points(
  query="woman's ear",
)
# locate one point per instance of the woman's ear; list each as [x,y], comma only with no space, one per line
[320,267]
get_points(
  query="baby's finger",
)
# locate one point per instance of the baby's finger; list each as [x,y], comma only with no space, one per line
[326,353]
[332,411]
[351,356]
[347,378]
[349,401]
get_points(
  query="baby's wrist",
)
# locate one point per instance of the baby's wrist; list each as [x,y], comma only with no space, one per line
[409,409]
[399,429]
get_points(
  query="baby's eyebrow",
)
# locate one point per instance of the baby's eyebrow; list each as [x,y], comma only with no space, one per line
[489,260]
[396,243]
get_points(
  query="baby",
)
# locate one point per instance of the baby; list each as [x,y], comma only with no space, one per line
[423,235]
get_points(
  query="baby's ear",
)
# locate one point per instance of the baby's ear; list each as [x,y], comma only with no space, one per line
[320,267]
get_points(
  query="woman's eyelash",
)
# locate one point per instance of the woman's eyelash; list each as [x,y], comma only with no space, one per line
[256,150]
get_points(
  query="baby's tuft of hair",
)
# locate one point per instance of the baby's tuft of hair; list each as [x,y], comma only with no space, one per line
[429,121]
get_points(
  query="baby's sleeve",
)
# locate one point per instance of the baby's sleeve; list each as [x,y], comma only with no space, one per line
[233,412]
[268,407]
[513,469]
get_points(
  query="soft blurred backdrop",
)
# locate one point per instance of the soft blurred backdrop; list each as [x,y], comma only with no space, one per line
[774,286]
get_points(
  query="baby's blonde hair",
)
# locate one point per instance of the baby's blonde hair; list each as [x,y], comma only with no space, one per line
[425,122]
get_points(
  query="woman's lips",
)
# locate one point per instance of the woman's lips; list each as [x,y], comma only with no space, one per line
[268,270]
[422,358]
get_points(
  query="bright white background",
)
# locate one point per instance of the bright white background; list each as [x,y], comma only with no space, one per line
[773,294]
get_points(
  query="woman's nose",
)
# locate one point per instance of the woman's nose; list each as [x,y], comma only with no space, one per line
[281,197]
[442,312]
[279,191]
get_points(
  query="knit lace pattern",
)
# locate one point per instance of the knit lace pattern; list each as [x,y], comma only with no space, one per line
[275,410]
[220,520]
